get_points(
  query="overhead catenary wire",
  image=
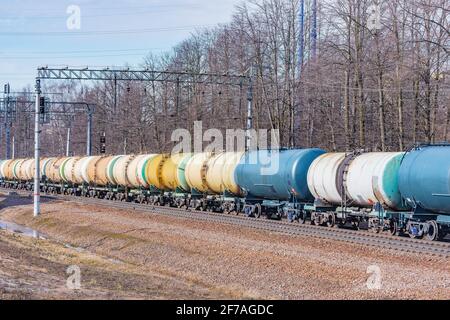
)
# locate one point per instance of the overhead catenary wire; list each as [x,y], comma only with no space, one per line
[103,32]
[84,51]
[109,7]
[69,56]
[143,11]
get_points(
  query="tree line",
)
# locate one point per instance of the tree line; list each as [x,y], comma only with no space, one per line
[379,83]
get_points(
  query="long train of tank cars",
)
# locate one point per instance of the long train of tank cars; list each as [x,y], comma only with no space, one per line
[403,193]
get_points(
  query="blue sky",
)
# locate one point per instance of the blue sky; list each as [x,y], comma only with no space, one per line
[34,33]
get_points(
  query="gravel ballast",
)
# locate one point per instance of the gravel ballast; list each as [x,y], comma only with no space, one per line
[216,260]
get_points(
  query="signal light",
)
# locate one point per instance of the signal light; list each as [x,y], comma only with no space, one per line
[103,143]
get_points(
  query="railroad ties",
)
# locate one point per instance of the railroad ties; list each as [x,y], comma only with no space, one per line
[380,241]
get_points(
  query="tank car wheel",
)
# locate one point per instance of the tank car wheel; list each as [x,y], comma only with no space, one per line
[237,209]
[257,212]
[331,221]
[182,205]
[393,228]
[302,218]
[315,220]
[433,231]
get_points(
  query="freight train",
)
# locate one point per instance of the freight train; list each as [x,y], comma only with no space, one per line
[403,193]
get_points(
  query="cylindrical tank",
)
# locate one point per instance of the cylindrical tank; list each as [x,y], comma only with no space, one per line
[195,172]
[118,170]
[169,173]
[88,169]
[182,161]
[220,172]
[101,167]
[172,172]
[323,178]
[137,170]
[78,167]
[142,170]
[68,169]
[8,169]
[26,171]
[154,171]
[373,177]
[44,165]
[1,169]
[276,175]
[54,170]
[110,170]
[29,169]
[17,169]
[424,178]
[3,166]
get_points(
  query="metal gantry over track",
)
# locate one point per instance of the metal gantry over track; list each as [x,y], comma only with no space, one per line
[140,75]
[146,75]
[11,107]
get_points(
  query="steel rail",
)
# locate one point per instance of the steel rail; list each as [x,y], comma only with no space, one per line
[380,241]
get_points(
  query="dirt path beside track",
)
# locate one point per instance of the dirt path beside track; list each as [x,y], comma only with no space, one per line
[138,255]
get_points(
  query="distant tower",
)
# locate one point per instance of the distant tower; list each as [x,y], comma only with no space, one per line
[301,45]
[314,30]
[312,14]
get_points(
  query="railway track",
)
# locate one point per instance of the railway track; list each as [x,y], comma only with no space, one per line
[381,241]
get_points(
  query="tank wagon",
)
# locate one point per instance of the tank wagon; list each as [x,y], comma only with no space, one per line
[354,189]
[424,183]
[404,193]
[212,184]
[274,181]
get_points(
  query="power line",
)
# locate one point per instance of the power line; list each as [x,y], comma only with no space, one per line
[83,51]
[69,56]
[106,8]
[88,16]
[103,32]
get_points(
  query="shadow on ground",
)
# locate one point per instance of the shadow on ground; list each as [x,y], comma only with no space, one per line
[14,200]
